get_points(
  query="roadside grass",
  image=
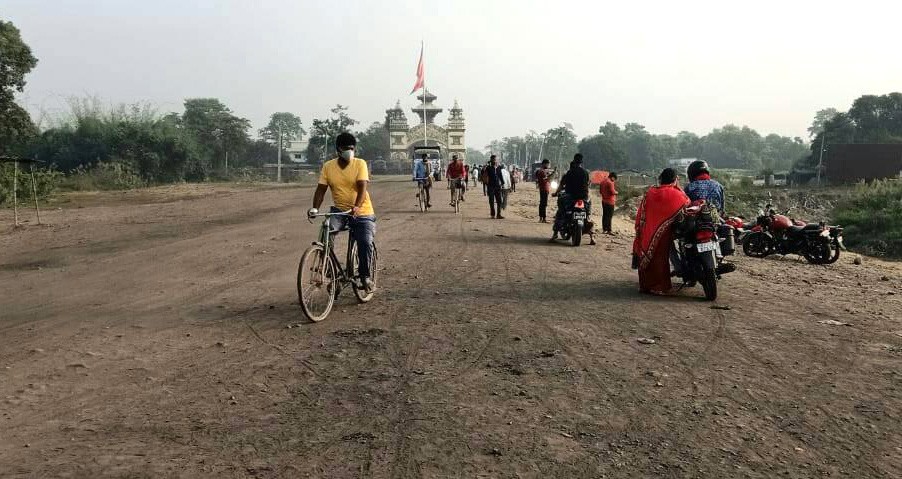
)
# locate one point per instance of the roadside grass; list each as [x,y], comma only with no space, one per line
[872,218]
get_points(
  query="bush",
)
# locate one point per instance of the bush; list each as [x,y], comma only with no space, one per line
[104,176]
[871,218]
[47,180]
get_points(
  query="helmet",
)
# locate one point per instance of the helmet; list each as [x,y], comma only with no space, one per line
[344,140]
[696,168]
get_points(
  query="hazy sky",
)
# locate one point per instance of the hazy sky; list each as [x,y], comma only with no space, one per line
[514,65]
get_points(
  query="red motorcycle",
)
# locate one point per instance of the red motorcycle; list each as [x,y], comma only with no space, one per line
[776,233]
[741,227]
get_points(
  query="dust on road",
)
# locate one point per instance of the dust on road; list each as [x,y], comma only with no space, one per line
[164,338]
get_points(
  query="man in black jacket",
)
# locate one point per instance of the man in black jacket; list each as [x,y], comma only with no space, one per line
[575,184]
[494,184]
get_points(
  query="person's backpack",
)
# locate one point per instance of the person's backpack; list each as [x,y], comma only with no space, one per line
[484,175]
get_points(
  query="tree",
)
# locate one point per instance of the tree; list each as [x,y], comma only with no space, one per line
[372,143]
[560,145]
[324,131]
[820,119]
[288,123]
[475,157]
[257,153]
[689,144]
[733,147]
[215,128]
[16,61]
[602,152]
[16,129]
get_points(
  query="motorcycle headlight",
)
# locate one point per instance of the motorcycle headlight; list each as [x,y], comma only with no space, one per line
[554,184]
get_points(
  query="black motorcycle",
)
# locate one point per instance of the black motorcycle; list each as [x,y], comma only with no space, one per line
[776,233]
[701,245]
[571,226]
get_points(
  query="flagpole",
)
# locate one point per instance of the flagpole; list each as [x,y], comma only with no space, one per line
[425,120]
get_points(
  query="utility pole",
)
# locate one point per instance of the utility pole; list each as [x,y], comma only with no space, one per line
[279,156]
[820,161]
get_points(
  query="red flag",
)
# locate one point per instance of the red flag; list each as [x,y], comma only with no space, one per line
[421,74]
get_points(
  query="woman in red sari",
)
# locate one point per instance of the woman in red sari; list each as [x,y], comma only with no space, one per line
[659,208]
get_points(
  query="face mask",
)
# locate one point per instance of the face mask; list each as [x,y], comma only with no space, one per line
[347,154]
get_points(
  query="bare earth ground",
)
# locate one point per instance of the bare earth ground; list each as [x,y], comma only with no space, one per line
[151,338]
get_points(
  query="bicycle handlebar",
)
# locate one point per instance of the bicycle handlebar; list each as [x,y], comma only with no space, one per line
[337,213]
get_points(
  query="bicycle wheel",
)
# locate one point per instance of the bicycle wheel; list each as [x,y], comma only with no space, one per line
[457,195]
[421,199]
[317,283]
[362,295]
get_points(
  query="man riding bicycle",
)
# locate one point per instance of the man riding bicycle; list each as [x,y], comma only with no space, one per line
[456,175]
[348,177]
[422,174]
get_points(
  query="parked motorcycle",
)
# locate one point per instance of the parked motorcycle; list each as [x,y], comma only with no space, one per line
[741,227]
[701,245]
[776,233]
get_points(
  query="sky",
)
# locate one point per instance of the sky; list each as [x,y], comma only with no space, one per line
[514,66]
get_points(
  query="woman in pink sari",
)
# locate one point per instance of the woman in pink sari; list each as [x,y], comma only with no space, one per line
[659,208]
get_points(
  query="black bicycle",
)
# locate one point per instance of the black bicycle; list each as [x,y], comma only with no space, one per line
[321,276]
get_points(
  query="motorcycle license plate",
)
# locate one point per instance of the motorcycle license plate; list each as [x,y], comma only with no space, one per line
[579,216]
[705,247]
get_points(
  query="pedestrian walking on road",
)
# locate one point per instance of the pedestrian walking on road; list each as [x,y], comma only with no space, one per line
[484,176]
[506,188]
[543,183]
[494,184]
[608,190]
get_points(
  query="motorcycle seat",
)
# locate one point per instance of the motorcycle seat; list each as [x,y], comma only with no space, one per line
[808,227]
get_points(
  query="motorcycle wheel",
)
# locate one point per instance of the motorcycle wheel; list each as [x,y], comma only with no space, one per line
[565,233]
[819,252]
[835,246]
[757,245]
[709,284]
[576,235]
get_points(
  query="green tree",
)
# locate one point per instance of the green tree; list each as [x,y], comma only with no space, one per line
[689,144]
[603,152]
[560,145]
[475,157]
[733,147]
[215,129]
[288,124]
[820,119]
[16,61]
[372,143]
[325,130]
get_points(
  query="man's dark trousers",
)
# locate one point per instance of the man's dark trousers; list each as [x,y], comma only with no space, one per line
[543,203]
[494,198]
[607,214]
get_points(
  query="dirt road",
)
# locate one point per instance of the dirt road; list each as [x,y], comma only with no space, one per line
[151,338]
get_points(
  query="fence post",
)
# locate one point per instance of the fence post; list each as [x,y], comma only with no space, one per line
[15,187]
[34,191]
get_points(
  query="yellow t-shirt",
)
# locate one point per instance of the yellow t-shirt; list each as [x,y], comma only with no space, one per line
[343,183]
